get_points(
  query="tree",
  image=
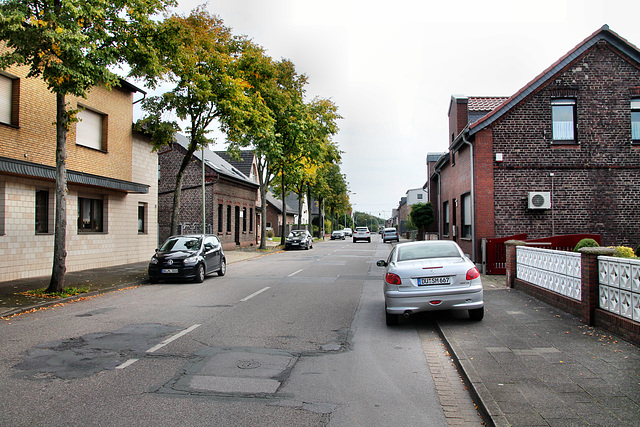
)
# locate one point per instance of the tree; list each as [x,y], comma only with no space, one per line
[202,59]
[73,45]
[421,216]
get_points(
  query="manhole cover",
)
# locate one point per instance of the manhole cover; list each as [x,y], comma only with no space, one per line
[248,364]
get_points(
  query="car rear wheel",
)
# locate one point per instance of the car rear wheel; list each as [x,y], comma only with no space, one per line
[391,319]
[200,273]
[223,268]
[476,313]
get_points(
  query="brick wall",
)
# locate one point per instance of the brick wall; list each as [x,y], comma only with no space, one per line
[225,191]
[595,183]
[34,140]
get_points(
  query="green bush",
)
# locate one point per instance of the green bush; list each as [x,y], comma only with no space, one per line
[586,243]
[270,234]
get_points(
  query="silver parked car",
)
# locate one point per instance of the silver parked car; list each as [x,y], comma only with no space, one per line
[429,276]
[299,239]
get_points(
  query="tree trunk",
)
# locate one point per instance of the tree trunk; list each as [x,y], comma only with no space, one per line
[309,216]
[56,284]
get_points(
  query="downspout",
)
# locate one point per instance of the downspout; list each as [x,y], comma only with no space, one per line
[437,172]
[473,197]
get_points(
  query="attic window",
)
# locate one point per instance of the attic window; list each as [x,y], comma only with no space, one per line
[563,116]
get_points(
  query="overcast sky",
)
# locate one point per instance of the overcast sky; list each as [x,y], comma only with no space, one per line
[392,66]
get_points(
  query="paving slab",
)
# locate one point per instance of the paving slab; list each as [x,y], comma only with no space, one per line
[533,364]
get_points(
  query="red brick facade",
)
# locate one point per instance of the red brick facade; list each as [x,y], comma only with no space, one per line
[593,182]
[230,203]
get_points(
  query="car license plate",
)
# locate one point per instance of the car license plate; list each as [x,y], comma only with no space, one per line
[169,270]
[425,281]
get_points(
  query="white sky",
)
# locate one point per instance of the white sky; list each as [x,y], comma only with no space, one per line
[392,66]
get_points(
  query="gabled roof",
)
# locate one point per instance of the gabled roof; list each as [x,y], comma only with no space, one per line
[243,164]
[271,199]
[603,33]
[215,162]
[485,103]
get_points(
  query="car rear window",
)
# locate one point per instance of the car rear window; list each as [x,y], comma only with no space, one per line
[432,250]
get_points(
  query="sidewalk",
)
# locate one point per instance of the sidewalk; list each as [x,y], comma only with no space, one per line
[532,364]
[97,280]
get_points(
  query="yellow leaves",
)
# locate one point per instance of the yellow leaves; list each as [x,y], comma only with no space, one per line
[36,22]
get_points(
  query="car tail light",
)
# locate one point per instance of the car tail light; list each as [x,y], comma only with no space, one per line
[393,279]
[473,274]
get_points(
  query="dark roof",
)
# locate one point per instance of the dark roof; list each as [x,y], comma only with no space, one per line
[271,199]
[215,162]
[243,164]
[603,33]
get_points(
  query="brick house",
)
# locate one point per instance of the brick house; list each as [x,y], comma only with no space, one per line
[230,197]
[560,156]
[275,215]
[111,172]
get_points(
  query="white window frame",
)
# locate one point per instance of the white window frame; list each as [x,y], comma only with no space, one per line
[635,120]
[6,99]
[466,216]
[89,129]
[563,131]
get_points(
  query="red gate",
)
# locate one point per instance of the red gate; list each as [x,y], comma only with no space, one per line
[497,253]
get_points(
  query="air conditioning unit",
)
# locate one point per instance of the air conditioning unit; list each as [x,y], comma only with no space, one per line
[539,200]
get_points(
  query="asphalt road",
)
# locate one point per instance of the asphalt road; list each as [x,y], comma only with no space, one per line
[297,339]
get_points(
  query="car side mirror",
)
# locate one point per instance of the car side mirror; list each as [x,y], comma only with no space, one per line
[381,263]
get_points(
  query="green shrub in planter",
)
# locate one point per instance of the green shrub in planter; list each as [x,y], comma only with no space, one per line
[586,243]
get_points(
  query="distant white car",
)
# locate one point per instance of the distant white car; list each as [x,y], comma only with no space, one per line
[348,232]
[362,233]
[430,275]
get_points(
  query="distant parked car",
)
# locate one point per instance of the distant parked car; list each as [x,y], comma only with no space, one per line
[362,233]
[348,232]
[299,239]
[188,257]
[337,235]
[390,234]
[429,276]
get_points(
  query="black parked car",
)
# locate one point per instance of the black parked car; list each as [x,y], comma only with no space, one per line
[188,257]
[299,239]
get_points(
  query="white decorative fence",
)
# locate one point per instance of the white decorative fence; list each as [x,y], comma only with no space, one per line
[619,290]
[557,271]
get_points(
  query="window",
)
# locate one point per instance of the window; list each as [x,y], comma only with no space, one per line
[89,215]
[244,220]
[466,215]
[228,218]
[89,130]
[635,120]
[142,214]
[250,220]
[220,219]
[563,116]
[445,218]
[419,196]
[42,211]
[9,89]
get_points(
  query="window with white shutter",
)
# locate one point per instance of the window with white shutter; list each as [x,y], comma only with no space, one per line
[89,129]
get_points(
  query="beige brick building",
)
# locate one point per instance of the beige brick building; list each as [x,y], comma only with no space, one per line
[112,180]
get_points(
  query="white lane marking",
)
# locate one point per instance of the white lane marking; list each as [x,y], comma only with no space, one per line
[295,272]
[173,338]
[127,363]
[254,294]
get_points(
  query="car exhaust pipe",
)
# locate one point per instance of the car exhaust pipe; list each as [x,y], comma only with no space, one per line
[407,314]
